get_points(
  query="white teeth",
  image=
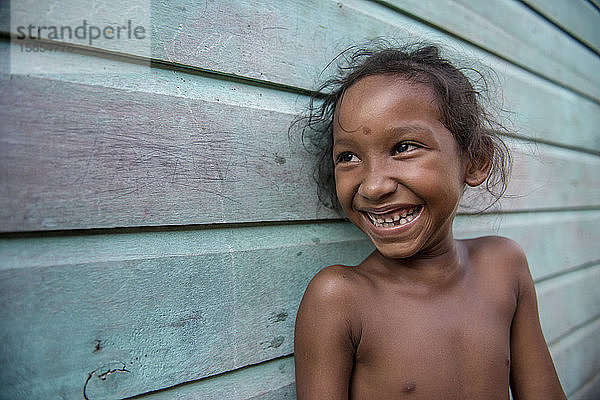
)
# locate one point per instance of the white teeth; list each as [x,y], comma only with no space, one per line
[395,219]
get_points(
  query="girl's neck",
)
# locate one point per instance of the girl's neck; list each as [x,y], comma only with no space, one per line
[439,268]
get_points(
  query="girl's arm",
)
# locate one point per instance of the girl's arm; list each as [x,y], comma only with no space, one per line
[532,373]
[323,342]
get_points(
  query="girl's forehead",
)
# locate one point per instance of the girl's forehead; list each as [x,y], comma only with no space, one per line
[389,84]
[383,99]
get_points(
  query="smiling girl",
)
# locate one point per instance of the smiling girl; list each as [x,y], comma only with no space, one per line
[425,316]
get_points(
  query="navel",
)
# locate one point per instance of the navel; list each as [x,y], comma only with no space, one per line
[366,131]
[409,387]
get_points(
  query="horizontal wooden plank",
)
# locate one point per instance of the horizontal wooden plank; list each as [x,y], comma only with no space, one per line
[577,358]
[175,306]
[549,177]
[546,112]
[272,380]
[514,32]
[589,390]
[165,318]
[227,36]
[580,18]
[542,110]
[540,235]
[569,301]
[75,157]
[143,160]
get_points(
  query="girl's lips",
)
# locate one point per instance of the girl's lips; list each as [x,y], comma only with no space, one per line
[394,221]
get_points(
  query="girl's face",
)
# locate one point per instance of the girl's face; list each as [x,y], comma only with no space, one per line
[399,172]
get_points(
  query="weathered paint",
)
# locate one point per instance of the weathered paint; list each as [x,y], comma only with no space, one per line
[514,32]
[218,35]
[217,300]
[113,164]
[578,17]
[272,380]
[576,357]
[574,297]
[175,306]
[127,313]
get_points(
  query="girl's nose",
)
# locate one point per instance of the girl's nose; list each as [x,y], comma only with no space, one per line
[377,184]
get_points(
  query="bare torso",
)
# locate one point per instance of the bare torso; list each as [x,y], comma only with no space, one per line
[464,326]
[418,343]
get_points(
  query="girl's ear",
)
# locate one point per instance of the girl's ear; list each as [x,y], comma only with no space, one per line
[477,171]
[479,166]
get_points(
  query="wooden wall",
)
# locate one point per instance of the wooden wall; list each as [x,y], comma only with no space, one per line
[159,227]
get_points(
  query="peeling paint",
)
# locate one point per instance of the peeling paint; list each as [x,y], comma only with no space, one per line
[102,376]
[278,317]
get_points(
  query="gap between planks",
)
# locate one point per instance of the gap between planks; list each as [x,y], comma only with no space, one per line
[559,27]
[210,377]
[253,224]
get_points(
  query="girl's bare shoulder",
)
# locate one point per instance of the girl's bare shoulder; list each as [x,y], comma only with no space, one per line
[330,302]
[500,254]
[336,283]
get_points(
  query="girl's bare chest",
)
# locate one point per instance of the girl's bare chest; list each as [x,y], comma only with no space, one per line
[454,346]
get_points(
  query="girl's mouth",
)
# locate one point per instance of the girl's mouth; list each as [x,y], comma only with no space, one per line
[395,218]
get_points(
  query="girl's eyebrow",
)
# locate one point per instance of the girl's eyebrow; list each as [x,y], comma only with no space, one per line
[396,131]
[409,129]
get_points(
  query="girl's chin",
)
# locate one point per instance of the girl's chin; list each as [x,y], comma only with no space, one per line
[395,250]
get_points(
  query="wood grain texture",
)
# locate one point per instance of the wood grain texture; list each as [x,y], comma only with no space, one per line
[576,357]
[228,36]
[569,301]
[201,303]
[272,380]
[175,306]
[90,141]
[565,303]
[541,110]
[578,17]
[589,390]
[107,160]
[514,32]
[540,234]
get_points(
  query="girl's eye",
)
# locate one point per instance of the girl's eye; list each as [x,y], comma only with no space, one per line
[346,157]
[404,147]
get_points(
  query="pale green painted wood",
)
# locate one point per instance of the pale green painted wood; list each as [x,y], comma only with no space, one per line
[176,306]
[590,390]
[569,301]
[548,177]
[543,111]
[167,318]
[272,380]
[143,285]
[507,28]
[541,234]
[578,17]
[576,357]
[105,163]
[228,36]
[578,232]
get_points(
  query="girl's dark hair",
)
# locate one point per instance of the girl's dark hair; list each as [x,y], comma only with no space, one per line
[460,102]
